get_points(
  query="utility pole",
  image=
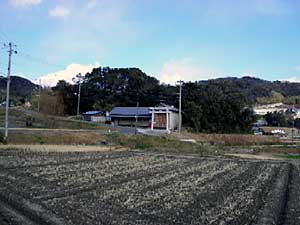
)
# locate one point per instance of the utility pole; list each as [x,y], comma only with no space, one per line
[180,82]
[78,80]
[78,101]
[136,117]
[39,100]
[293,130]
[10,52]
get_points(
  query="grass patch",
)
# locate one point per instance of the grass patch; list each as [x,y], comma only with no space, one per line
[57,138]
[290,156]
[162,144]
[20,118]
[232,139]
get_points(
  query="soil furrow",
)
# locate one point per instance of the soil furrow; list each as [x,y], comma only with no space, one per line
[292,212]
[274,208]
[58,163]
[31,213]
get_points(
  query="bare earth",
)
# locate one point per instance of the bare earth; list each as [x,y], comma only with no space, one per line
[252,156]
[61,148]
[123,187]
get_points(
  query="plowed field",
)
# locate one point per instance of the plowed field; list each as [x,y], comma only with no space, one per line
[134,188]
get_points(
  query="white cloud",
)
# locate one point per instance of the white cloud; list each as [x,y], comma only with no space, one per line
[294,79]
[59,11]
[17,3]
[184,69]
[67,74]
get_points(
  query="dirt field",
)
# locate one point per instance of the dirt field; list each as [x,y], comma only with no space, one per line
[134,188]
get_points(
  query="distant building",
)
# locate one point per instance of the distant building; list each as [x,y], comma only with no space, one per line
[277,131]
[293,112]
[270,108]
[288,110]
[95,116]
[126,116]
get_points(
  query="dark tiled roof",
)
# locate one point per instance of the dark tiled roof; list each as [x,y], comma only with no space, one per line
[130,112]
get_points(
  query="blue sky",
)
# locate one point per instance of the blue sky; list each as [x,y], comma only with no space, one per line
[175,39]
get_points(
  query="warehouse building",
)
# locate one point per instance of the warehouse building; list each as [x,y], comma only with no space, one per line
[161,116]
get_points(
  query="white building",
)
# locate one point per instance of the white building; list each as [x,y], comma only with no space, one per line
[164,117]
[270,108]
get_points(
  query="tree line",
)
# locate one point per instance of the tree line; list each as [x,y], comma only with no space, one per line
[212,106]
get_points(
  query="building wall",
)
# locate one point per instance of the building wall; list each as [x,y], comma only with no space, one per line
[98,119]
[94,118]
[174,119]
[160,120]
[130,122]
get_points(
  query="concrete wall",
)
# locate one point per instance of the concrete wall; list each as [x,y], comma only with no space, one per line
[98,119]
[174,119]
[94,118]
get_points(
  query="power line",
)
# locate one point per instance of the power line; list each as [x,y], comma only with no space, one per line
[4,36]
[38,60]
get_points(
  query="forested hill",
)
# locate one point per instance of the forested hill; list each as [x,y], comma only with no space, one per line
[254,88]
[19,87]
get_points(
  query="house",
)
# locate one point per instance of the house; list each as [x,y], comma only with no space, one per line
[95,116]
[161,116]
[129,116]
[164,117]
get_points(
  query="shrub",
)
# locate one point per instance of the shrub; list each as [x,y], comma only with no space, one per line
[2,139]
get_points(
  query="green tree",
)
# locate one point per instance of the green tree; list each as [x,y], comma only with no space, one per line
[277,119]
[192,115]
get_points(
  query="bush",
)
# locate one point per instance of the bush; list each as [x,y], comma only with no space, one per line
[2,139]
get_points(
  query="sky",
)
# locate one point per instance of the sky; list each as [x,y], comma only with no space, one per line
[169,39]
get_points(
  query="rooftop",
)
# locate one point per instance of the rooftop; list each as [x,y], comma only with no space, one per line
[130,112]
